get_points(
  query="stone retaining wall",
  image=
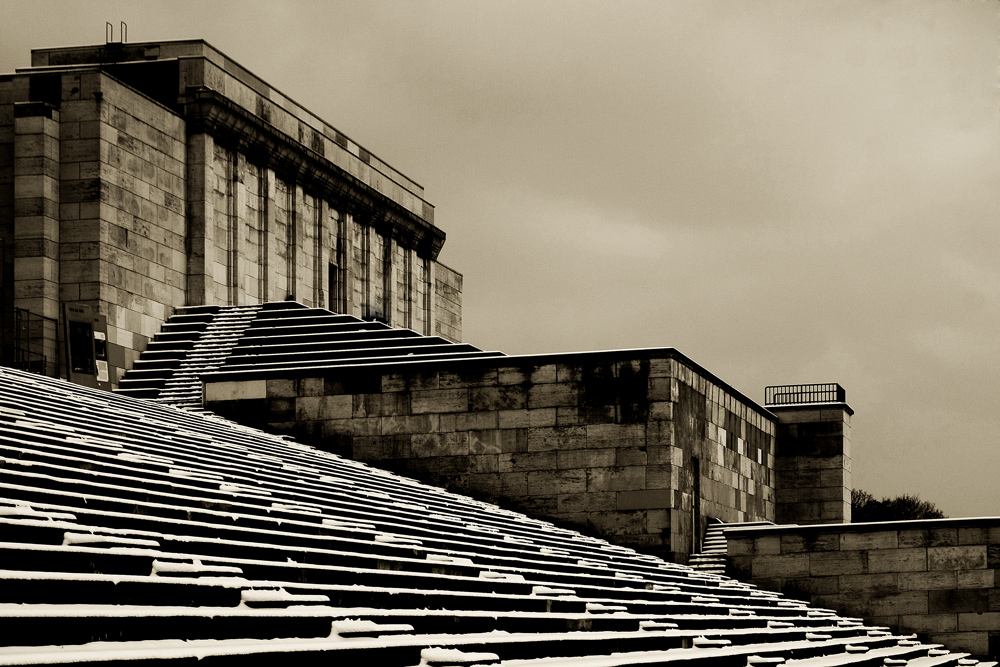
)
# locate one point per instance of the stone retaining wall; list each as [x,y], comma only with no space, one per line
[641,446]
[936,578]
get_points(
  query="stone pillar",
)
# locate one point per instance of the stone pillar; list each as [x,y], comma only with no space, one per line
[813,463]
[36,223]
[201,220]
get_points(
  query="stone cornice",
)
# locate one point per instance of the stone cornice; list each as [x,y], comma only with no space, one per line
[206,110]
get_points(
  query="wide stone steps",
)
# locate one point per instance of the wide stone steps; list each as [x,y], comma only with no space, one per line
[203,340]
[142,531]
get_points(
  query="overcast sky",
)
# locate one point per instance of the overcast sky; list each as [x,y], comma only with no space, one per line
[785,191]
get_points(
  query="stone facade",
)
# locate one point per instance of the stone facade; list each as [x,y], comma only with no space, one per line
[639,446]
[936,578]
[138,178]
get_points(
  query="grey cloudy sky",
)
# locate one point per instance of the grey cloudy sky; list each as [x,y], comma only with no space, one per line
[786,191]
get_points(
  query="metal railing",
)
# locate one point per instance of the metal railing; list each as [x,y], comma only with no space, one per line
[22,340]
[792,394]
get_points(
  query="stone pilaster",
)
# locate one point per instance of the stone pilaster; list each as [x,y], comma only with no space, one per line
[36,222]
[201,220]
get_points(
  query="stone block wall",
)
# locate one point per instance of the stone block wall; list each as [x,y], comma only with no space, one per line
[447,303]
[642,447]
[935,578]
[813,463]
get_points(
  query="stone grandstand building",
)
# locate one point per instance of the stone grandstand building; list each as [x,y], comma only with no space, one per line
[264,296]
[137,178]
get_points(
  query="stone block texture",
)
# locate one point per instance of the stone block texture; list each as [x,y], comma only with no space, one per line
[813,463]
[642,447]
[170,176]
[935,578]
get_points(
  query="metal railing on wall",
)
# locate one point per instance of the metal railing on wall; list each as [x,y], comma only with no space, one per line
[22,340]
[792,394]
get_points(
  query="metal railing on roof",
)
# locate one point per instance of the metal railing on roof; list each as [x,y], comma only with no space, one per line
[793,394]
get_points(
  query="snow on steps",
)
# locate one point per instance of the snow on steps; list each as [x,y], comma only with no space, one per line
[187,537]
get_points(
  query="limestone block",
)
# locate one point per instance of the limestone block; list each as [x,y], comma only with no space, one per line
[332,428]
[976,579]
[739,546]
[928,622]
[628,478]
[312,387]
[441,444]
[548,438]
[848,604]
[551,482]
[885,539]
[527,418]
[553,395]
[512,397]
[473,378]
[600,436]
[485,442]
[897,560]
[484,464]
[658,521]
[631,456]
[926,581]
[659,389]
[970,600]
[586,502]
[869,584]
[913,538]
[973,535]
[985,621]
[395,403]
[514,484]
[569,372]
[618,523]
[648,499]
[235,391]
[767,545]
[971,557]
[785,566]
[942,537]
[837,562]
[394,382]
[527,461]
[586,458]
[805,587]
[309,408]
[661,476]
[485,484]
[468,421]
[440,400]
[399,424]
[513,440]
[898,604]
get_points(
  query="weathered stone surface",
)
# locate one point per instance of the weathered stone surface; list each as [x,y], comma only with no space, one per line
[971,557]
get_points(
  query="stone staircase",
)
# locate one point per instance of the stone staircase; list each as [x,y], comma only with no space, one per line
[199,340]
[133,530]
[712,558]
[196,340]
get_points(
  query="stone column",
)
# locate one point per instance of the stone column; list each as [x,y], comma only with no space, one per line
[813,463]
[201,217]
[36,223]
